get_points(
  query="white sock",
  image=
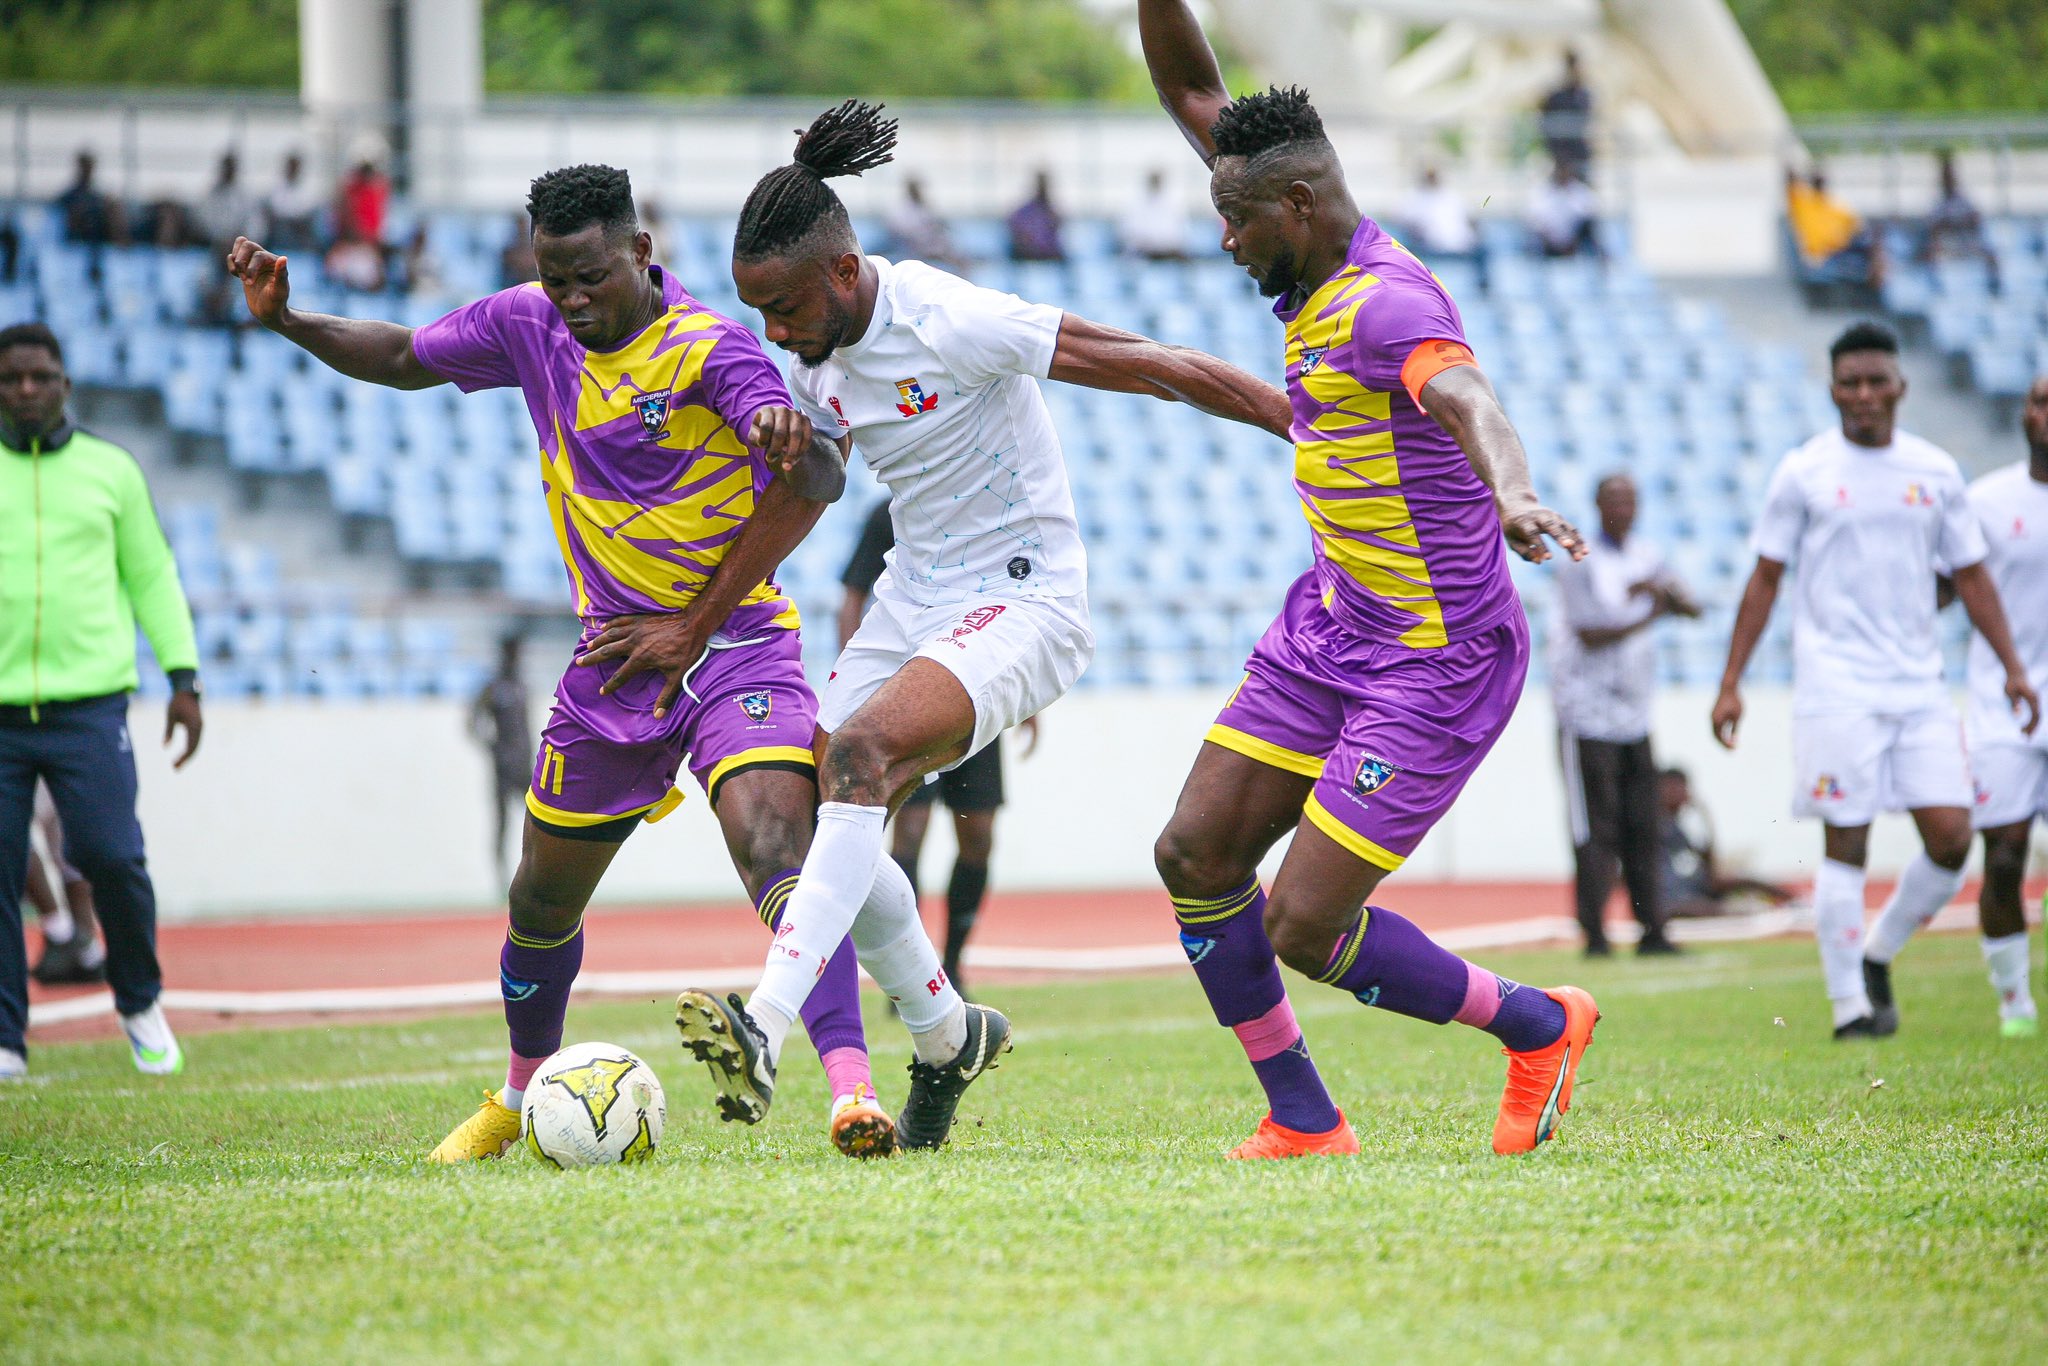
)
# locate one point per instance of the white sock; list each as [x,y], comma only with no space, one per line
[2006,960]
[92,953]
[837,877]
[512,1097]
[1838,930]
[58,926]
[897,953]
[1924,888]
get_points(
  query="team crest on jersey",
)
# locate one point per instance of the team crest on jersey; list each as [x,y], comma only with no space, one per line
[2019,528]
[653,410]
[911,399]
[838,411]
[1826,789]
[1311,359]
[757,705]
[1373,774]
[1917,496]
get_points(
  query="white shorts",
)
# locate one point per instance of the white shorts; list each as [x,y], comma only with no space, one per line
[1848,766]
[2012,784]
[1015,656]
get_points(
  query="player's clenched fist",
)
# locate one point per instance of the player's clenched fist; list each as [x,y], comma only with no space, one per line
[782,435]
[266,282]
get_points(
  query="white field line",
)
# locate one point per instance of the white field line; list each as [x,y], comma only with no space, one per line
[1125,958]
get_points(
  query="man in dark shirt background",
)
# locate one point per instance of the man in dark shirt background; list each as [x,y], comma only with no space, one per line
[499,721]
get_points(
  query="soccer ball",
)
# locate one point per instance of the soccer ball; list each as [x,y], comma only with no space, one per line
[593,1104]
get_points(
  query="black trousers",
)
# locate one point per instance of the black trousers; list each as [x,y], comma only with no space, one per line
[81,749]
[1611,797]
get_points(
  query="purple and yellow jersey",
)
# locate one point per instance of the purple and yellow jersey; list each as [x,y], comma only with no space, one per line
[1407,542]
[647,473]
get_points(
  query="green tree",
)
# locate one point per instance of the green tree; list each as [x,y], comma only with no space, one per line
[1906,56]
[246,44]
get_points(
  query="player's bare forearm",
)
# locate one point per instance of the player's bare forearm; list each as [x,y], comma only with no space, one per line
[782,518]
[1099,357]
[1759,595]
[361,348]
[1462,401]
[1980,600]
[1184,69]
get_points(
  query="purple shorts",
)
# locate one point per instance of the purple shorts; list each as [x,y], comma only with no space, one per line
[605,762]
[1390,733]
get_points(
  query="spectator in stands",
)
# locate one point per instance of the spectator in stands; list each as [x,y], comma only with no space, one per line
[72,952]
[67,666]
[1035,225]
[516,265]
[501,721]
[291,211]
[1603,672]
[10,251]
[225,212]
[89,216]
[355,263]
[918,234]
[1688,882]
[652,222]
[363,204]
[1156,225]
[421,265]
[1565,215]
[1438,224]
[1566,121]
[1835,247]
[1955,230]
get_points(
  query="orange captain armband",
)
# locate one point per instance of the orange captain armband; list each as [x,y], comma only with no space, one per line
[1429,360]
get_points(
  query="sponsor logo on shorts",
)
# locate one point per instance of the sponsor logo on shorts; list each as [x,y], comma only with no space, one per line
[1373,774]
[974,621]
[1982,793]
[1826,789]
[911,399]
[1311,359]
[757,705]
[1196,947]
[653,410]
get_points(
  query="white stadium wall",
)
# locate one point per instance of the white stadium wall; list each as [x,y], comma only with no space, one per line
[306,807]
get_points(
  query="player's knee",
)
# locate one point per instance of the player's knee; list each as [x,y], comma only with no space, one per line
[1192,866]
[775,842]
[1949,848]
[535,912]
[1300,941]
[857,767]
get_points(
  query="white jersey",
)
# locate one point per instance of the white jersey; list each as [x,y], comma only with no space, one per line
[1603,692]
[1868,528]
[941,397]
[2012,510]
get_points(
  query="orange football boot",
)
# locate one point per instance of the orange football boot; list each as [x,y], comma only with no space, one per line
[1539,1088]
[1277,1140]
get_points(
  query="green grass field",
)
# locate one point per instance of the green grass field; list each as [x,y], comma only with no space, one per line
[1730,1185]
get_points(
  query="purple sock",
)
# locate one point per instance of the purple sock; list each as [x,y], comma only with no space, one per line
[1225,940]
[535,974]
[831,1013]
[1385,961]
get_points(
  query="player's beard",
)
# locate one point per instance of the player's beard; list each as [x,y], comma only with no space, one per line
[1281,277]
[838,327]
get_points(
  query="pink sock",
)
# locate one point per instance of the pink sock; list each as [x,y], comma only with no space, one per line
[847,1068]
[520,1070]
[1482,998]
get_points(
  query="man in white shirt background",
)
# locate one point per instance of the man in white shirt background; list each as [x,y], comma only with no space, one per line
[2010,766]
[1437,221]
[1869,513]
[1603,673]
[1156,226]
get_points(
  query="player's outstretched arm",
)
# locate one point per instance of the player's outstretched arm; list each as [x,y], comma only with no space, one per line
[1759,595]
[1462,401]
[670,643]
[1980,599]
[360,348]
[1184,70]
[1100,357]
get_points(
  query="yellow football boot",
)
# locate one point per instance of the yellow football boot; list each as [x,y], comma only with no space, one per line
[490,1132]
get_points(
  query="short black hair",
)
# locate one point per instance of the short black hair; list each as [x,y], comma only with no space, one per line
[32,334]
[1266,121]
[793,202]
[571,199]
[1864,336]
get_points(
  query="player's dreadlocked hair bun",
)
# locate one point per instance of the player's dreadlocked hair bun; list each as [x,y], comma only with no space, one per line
[792,201]
[571,199]
[1265,121]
